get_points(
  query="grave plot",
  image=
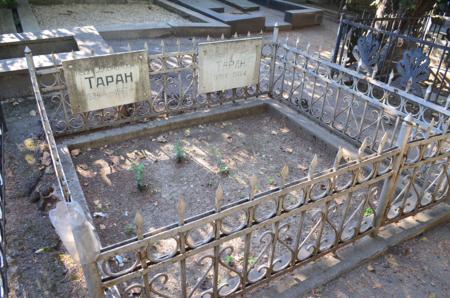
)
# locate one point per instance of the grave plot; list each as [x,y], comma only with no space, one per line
[153,172]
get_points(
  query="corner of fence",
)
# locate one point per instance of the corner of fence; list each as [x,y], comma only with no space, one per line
[90,270]
[390,183]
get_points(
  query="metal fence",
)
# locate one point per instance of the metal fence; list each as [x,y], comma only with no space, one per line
[396,57]
[3,264]
[401,169]
[428,27]
[174,90]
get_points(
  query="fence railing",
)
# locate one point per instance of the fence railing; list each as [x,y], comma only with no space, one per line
[401,169]
[233,248]
[353,105]
[173,79]
[3,263]
[406,61]
[426,27]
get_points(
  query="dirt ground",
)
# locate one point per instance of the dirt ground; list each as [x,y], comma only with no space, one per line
[76,15]
[228,153]
[39,266]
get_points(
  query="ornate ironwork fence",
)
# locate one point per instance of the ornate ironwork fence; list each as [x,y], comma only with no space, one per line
[174,90]
[395,57]
[401,169]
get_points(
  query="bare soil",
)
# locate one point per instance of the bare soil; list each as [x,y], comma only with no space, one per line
[76,15]
[227,152]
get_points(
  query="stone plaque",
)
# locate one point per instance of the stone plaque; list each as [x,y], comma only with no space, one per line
[100,82]
[228,64]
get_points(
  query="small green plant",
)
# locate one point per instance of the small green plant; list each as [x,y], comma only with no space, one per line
[138,170]
[180,153]
[229,259]
[368,211]
[221,165]
[223,168]
[252,260]
[129,229]
[271,181]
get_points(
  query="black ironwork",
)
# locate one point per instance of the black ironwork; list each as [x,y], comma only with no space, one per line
[398,57]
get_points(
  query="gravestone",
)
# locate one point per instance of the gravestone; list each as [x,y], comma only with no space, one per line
[101,82]
[229,64]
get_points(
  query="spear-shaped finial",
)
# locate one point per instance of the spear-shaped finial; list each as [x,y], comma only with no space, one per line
[146,46]
[219,197]
[408,85]
[208,38]
[338,158]
[374,71]
[235,35]
[313,167]
[249,34]
[391,77]
[363,147]
[139,223]
[284,174]
[181,208]
[253,181]
[382,143]
[163,47]
[54,59]
[428,92]
[430,128]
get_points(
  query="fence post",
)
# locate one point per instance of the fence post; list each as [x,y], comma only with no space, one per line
[90,270]
[273,59]
[338,40]
[390,183]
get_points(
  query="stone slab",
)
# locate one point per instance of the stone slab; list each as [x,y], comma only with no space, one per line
[243,5]
[240,23]
[14,77]
[7,21]
[27,17]
[198,25]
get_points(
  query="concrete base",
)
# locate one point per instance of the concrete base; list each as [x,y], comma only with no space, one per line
[7,21]
[200,25]
[14,78]
[303,280]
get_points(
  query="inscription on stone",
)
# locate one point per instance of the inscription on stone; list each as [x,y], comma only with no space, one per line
[100,82]
[228,64]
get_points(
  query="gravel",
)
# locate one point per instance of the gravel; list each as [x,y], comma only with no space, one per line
[99,15]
